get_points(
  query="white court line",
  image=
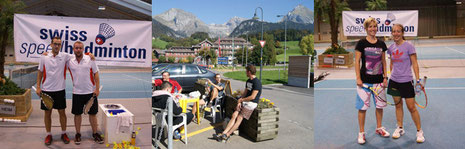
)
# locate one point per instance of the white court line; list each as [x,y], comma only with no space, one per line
[137,78]
[431,88]
[127,91]
[455,50]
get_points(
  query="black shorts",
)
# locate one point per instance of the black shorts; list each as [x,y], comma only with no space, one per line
[404,90]
[59,100]
[80,100]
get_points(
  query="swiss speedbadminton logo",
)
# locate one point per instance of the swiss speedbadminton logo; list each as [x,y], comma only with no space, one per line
[70,35]
[390,18]
[105,32]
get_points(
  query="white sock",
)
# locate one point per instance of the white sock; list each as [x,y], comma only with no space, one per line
[63,132]
[48,133]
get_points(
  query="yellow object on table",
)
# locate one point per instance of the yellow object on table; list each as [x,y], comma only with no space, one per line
[183,103]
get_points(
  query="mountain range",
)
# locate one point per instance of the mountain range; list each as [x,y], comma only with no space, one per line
[179,23]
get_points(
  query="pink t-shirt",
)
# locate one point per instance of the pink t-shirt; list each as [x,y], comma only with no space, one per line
[401,64]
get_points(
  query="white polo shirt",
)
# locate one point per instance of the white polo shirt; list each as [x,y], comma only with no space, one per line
[53,71]
[82,74]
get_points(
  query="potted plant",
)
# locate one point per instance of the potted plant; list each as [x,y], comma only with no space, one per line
[15,102]
[263,123]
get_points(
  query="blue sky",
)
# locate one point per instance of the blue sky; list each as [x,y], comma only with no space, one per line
[220,11]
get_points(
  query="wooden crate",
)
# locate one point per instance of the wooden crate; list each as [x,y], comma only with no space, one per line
[344,60]
[262,125]
[338,60]
[22,105]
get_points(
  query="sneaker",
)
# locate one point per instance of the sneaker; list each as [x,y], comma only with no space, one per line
[176,135]
[382,131]
[398,132]
[194,120]
[420,137]
[77,139]
[97,138]
[65,138]
[48,140]
[218,136]
[224,138]
[361,138]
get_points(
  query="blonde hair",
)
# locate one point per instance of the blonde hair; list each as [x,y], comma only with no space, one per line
[368,21]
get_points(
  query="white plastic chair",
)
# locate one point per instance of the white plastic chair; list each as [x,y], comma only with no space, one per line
[162,123]
[214,107]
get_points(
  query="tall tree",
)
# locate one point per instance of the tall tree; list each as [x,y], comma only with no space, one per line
[376,5]
[7,10]
[306,45]
[332,10]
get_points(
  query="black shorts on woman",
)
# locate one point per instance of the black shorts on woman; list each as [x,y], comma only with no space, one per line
[404,90]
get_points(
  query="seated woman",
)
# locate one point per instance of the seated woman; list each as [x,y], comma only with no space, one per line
[245,105]
[216,90]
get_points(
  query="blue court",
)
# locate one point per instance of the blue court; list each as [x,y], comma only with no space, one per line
[336,123]
[118,85]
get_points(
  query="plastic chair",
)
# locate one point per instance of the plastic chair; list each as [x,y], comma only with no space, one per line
[162,123]
[215,106]
[157,123]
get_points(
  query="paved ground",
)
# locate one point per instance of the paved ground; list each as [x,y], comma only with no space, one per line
[442,60]
[129,87]
[295,122]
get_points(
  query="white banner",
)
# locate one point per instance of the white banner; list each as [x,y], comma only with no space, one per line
[352,22]
[113,42]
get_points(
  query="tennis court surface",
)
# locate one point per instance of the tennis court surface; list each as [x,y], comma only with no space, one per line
[336,124]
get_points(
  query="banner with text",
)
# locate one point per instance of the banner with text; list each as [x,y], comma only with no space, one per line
[113,42]
[352,22]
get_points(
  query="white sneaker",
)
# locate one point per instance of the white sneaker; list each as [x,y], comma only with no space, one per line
[398,132]
[382,131]
[420,137]
[361,138]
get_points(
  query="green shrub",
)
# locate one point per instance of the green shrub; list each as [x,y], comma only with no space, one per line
[10,88]
[336,50]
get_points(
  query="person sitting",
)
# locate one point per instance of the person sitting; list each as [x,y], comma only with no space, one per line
[176,88]
[160,98]
[216,90]
[245,105]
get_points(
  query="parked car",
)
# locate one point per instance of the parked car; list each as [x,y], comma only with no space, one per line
[185,74]
[156,67]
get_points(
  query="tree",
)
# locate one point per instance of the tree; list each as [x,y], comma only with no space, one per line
[167,38]
[332,10]
[190,59]
[208,54]
[7,10]
[171,59]
[200,36]
[161,59]
[241,58]
[277,44]
[376,5]
[306,45]
[269,53]
[183,60]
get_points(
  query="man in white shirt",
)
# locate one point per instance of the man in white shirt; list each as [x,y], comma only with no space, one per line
[51,80]
[85,77]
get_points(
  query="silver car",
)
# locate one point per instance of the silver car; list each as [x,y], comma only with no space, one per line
[185,74]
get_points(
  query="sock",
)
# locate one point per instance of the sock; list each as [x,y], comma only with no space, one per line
[48,133]
[63,132]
